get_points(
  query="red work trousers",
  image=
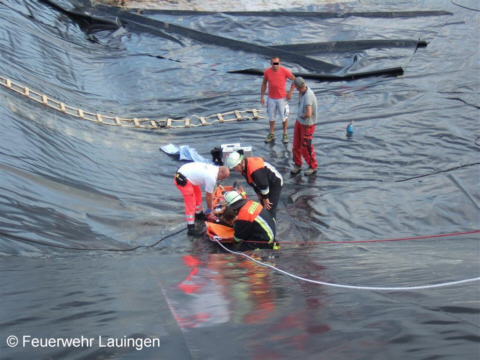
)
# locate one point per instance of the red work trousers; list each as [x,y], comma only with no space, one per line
[302,145]
[192,197]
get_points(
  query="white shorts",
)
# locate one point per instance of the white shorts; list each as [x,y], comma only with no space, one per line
[277,107]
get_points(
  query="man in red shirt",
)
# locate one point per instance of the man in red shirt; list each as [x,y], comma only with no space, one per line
[277,101]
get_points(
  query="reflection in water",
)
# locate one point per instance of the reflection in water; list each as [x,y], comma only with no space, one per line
[202,301]
[207,297]
[290,334]
[221,289]
[250,289]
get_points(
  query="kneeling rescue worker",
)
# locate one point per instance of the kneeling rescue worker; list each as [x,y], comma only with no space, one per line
[254,226]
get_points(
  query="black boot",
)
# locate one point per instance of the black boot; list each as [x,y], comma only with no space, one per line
[200,217]
[192,231]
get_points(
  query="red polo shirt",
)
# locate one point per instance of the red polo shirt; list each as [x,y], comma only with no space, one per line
[277,81]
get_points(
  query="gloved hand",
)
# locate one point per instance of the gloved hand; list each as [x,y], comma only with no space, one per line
[208,211]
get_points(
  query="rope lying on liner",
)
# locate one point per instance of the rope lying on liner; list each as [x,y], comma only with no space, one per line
[143,123]
[450,283]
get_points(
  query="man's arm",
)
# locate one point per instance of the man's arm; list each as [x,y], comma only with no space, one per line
[260,179]
[242,230]
[262,91]
[307,113]
[292,87]
[209,198]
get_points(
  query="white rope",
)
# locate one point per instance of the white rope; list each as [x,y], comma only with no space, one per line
[450,283]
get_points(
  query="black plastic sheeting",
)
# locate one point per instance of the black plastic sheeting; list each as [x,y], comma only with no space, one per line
[292,53]
[92,234]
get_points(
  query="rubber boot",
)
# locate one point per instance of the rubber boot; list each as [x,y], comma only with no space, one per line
[200,216]
[192,231]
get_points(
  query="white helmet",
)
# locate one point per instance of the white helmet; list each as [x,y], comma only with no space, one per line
[232,197]
[234,159]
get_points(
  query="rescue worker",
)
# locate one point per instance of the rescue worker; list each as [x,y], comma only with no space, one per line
[262,176]
[189,178]
[254,226]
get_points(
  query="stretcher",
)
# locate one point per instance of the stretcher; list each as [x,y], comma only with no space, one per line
[219,232]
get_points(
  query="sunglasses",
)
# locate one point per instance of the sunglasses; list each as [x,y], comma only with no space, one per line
[276,63]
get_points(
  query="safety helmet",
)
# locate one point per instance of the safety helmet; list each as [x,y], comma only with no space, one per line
[234,159]
[232,197]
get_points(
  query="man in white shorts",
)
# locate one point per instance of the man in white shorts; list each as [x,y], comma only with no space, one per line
[276,78]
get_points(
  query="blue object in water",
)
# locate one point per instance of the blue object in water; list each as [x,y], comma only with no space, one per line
[350,129]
